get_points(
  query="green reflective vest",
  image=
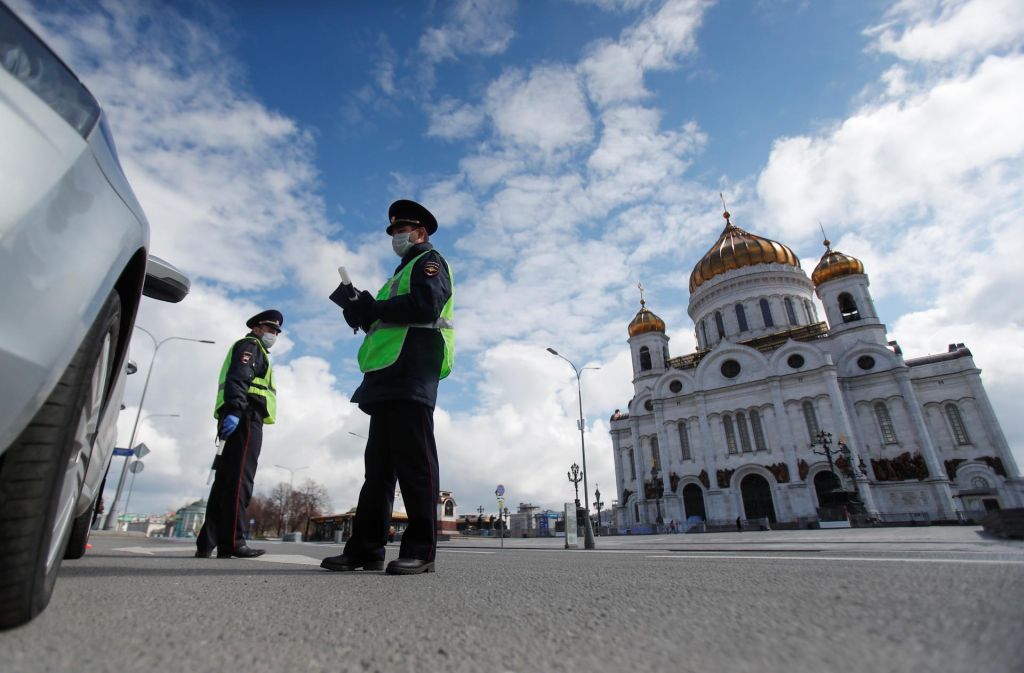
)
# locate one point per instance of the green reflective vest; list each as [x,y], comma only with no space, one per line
[383,343]
[261,386]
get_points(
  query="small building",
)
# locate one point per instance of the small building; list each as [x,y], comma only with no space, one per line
[189,519]
[447,513]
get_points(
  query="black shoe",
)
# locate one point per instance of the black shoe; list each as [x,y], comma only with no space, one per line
[410,566]
[244,551]
[203,554]
[342,563]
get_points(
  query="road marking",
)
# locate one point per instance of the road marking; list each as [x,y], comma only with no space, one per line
[464,551]
[841,558]
[297,559]
[148,551]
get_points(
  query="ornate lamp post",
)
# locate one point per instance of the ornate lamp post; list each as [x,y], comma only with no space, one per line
[588,537]
[575,478]
[659,490]
[825,440]
[598,505]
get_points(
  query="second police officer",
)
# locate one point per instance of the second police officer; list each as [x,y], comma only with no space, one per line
[246,400]
[408,348]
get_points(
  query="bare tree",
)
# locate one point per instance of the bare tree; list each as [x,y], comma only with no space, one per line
[310,501]
[281,500]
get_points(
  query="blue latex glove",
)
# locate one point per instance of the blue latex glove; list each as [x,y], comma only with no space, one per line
[228,424]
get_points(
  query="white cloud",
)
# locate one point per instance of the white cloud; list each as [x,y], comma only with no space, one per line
[452,120]
[614,70]
[945,30]
[544,109]
[472,27]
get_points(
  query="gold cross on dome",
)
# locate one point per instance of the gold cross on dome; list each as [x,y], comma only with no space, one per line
[640,286]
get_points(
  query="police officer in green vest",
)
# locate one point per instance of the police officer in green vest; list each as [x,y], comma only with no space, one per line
[246,400]
[408,348]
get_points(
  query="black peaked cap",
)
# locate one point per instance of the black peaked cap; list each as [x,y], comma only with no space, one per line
[270,316]
[405,211]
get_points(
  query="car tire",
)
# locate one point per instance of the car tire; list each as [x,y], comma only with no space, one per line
[41,473]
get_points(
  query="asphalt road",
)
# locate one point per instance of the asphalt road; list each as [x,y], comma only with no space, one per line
[936,599]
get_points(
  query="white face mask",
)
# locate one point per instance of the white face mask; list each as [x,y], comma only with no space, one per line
[268,339]
[400,243]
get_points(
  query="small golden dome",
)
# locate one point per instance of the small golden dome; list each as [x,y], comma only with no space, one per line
[736,249]
[834,264]
[645,321]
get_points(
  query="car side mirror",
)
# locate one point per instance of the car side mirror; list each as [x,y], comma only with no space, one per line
[164,282]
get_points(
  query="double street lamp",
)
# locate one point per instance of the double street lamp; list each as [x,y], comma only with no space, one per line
[111,520]
[598,505]
[658,486]
[588,538]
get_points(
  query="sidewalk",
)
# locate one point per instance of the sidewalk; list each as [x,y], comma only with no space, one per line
[923,538]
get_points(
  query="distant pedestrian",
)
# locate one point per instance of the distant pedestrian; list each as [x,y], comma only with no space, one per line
[739,524]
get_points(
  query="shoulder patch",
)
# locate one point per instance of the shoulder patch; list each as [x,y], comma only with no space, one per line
[431,269]
[246,357]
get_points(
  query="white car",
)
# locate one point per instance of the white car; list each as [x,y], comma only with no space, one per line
[73,265]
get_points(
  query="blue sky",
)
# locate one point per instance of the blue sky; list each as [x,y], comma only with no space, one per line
[569,149]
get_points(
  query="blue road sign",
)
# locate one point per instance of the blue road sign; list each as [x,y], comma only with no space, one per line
[119,451]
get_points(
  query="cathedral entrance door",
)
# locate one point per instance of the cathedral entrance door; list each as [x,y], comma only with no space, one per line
[693,502]
[757,497]
[827,486]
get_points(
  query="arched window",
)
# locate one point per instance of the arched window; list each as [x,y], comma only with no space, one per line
[741,317]
[790,313]
[812,313]
[956,423]
[848,307]
[766,313]
[811,419]
[741,426]
[684,441]
[755,426]
[704,332]
[632,465]
[885,423]
[719,324]
[645,358]
[449,508]
[655,453]
[730,433]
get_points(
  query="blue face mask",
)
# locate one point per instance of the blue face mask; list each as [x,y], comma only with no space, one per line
[268,340]
[401,244]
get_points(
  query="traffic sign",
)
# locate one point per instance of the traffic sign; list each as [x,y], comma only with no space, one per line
[121,451]
[500,491]
[141,450]
[136,466]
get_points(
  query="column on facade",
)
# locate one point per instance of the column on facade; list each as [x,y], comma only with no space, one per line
[785,429]
[706,442]
[913,407]
[842,421]
[664,447]
[992,427]
[620,474]
[638,463]
[936,472]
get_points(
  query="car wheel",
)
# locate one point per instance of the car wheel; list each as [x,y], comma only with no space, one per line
[42,472]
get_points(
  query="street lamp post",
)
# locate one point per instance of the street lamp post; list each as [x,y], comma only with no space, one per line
[131,484]
[291,489]
[825,440]
[588,537]
[598,505]
[575,478]
[659,490]
[112,514]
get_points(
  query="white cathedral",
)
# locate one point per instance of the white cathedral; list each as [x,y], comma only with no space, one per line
[735,429]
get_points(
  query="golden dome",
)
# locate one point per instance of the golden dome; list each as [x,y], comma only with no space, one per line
[834,264]
[645,321]
[736,249]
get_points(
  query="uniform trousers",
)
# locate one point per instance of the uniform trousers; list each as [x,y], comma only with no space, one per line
[226,522]
[400,445]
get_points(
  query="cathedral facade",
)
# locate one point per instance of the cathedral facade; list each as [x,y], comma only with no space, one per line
[778,410]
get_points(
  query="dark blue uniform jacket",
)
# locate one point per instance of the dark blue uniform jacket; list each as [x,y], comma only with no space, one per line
[247,361]
[415,374]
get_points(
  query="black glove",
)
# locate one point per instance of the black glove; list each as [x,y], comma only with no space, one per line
[343,296]
[350,318]
[366,306]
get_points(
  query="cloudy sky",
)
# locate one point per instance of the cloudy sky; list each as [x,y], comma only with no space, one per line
[569,149]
